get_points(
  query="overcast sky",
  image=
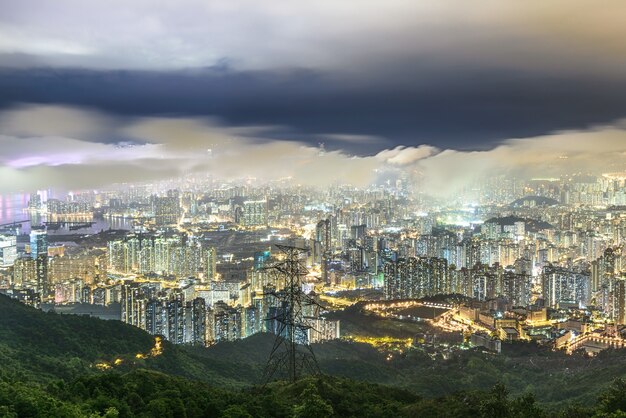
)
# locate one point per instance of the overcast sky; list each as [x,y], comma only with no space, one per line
[364,77]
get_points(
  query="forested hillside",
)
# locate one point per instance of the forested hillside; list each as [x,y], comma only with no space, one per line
[63,365]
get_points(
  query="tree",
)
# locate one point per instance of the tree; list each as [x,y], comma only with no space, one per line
[109,413]
[313,405]
[497,404]
[236,411]
[614,398]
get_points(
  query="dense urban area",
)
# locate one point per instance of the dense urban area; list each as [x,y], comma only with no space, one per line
[191,260]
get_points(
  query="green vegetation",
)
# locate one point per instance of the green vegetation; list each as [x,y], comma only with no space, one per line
[47,369]
[43,346]
[145,393]
[358,322]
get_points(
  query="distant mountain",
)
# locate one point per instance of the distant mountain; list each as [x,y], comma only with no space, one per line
[529,201]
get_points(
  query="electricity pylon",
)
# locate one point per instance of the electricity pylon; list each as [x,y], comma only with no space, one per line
[291,355]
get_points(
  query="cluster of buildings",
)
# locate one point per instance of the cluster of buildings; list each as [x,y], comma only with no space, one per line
[207,314]
[56,207]
[177,254]
[541,245]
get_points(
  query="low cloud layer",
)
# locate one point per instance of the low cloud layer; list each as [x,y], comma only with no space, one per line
[79,151]
[56,146]
[595,151]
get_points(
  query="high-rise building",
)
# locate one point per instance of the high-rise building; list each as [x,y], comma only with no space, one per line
[198,319]
[175,321]
[322,329]
[162,247]
[176,255]
[24,272]
[255,212]
[565,286]
[130,295]
[516,288]
[43,284]
[38,242]
[79,266]
[485,282]
[227,323]
[156,317]
[617,310]
[416,277]
[166,208]
[8,250]
[253,321]
[210,266]
[35,202]
[117,261]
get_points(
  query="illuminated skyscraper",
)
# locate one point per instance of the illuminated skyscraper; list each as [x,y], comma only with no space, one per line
[618,300]
[210,266]
[196,310]
[561,285]
[166,208]
[162,248]
[8,250]
[24,272]
[175,321]
[156,317]
[255,212]
[38,242]
[516,288]
[416,277]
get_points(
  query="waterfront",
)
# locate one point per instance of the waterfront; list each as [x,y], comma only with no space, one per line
[14,208]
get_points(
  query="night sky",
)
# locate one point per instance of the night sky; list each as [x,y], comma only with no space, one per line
[362,77]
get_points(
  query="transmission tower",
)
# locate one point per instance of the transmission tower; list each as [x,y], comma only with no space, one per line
[291,355]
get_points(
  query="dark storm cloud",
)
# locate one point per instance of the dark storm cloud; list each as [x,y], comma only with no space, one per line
[446,107]
[464,75]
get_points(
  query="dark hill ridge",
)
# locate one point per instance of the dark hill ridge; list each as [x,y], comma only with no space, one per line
[69,335]
[46,345]
[532,225]
[534,201]
[39,348]
[46,373]
[505,220]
